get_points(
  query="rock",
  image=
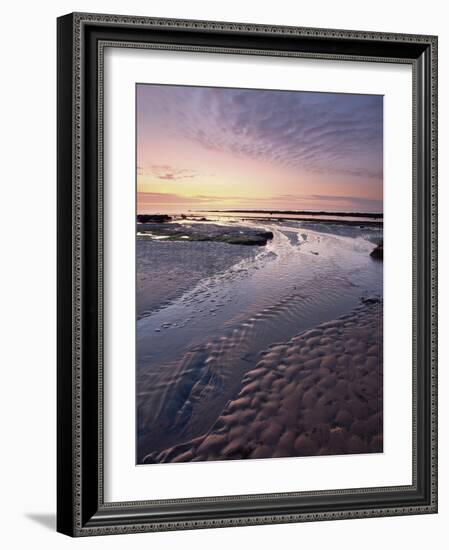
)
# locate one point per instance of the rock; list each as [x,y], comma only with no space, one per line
[247,240]
[369,301]
[378,252]
[153,218]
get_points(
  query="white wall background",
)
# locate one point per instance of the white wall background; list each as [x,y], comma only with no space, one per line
[27,274]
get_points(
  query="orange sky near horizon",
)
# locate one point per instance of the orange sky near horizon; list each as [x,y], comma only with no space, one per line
[223,149]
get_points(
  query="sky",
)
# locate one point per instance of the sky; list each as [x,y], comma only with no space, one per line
[201,148]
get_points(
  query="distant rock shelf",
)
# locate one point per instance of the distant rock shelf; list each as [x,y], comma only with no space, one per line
[153,218]
[238,235]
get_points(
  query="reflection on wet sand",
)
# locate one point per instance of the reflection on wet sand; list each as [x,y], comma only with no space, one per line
[223,338]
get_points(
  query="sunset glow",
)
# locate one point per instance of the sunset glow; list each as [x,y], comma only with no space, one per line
[223,149]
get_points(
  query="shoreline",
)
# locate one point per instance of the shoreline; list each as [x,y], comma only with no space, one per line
[183,218]
[374,223]
[297,212]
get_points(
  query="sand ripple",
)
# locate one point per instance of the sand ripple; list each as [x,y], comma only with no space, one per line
[320,393]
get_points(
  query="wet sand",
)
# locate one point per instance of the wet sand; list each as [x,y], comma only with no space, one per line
[165,270]
[319,393]
[211,312]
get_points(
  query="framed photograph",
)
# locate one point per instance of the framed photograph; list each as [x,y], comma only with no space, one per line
[247,247]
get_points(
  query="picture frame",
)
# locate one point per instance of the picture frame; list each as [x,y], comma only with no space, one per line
[81,506]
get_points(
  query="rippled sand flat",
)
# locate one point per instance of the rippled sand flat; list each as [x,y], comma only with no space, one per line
[165,270]
[213,312]
[319,393]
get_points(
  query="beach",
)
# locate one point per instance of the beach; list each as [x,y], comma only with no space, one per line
[258,349]
[320,393]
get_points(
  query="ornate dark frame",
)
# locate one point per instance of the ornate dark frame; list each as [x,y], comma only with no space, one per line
[81,509]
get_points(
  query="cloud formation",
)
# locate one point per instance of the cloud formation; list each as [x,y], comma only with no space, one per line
[166,172]
[316,132]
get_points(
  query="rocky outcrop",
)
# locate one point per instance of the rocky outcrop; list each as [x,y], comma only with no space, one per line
[378,252]
[153,218]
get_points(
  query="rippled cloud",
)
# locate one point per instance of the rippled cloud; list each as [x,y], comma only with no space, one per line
[316,132]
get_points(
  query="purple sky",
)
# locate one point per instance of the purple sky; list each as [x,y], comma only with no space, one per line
[221,148]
